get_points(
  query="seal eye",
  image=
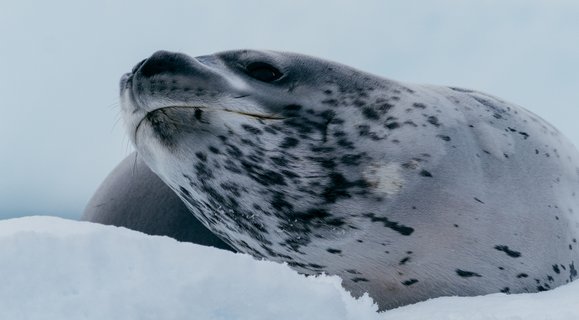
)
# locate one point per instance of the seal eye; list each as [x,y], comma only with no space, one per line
[263,72]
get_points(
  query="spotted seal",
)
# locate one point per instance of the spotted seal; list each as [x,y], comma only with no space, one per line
[405,191]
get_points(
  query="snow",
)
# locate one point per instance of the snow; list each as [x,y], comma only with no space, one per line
[52,268]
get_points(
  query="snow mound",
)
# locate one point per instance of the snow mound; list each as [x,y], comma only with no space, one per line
[52,268]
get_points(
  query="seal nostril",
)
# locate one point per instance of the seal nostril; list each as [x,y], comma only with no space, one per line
[137,66]
[165,62]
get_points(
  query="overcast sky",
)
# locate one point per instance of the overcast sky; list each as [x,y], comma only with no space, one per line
[60,62]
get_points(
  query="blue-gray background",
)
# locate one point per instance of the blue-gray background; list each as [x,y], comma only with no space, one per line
[60,61]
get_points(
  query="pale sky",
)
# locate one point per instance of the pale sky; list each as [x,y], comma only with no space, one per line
[60,63]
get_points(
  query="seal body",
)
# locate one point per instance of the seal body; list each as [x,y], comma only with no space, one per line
[407,192]
[134,197]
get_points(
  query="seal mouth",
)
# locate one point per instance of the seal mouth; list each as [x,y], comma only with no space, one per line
[199,108]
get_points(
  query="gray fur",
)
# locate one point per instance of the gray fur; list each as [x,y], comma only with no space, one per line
[406,191]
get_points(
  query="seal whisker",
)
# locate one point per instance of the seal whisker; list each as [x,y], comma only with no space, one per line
[254,115]
[114,105]
[244,113]
[117,120]
[134,168]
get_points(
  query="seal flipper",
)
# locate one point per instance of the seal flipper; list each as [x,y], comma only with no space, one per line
[132,196]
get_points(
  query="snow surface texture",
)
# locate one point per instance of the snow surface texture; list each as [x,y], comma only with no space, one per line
[51,268]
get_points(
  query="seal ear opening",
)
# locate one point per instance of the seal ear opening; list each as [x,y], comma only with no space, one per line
[263,72]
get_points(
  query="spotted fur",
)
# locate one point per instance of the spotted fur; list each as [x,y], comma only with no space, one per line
[407,192]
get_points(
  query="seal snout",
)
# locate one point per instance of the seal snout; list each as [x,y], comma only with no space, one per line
[137,66]
[165,62]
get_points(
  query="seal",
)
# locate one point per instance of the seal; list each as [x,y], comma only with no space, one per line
[407,192]
[133,197]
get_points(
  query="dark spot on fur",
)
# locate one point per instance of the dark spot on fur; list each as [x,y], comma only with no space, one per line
[409,282]
[403,261]
[331,102]
[201,156]
[572,271]
[556,269]
[491,105]
[265,177]
[460,89]
[478,200]
[339,134]
[524,134]
[351,159]
[302,126]
[184,191]
[280,161]
[359,103]
[321,149]
[232,167]
[433,121]
[467,274]
[425,173]
[363,130]
[251,129]
[334,251]
[279,203]
[402,229]
[443,137]
[346,143]
[411,164]
[522,275]
[162,126]
[370,113]
[289,142]
[289,174]
[198,114]
[313,214]
[338,187]
[292,107]
[509,252]
[234,151]
[359,279]
[505,290]
[214,150]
